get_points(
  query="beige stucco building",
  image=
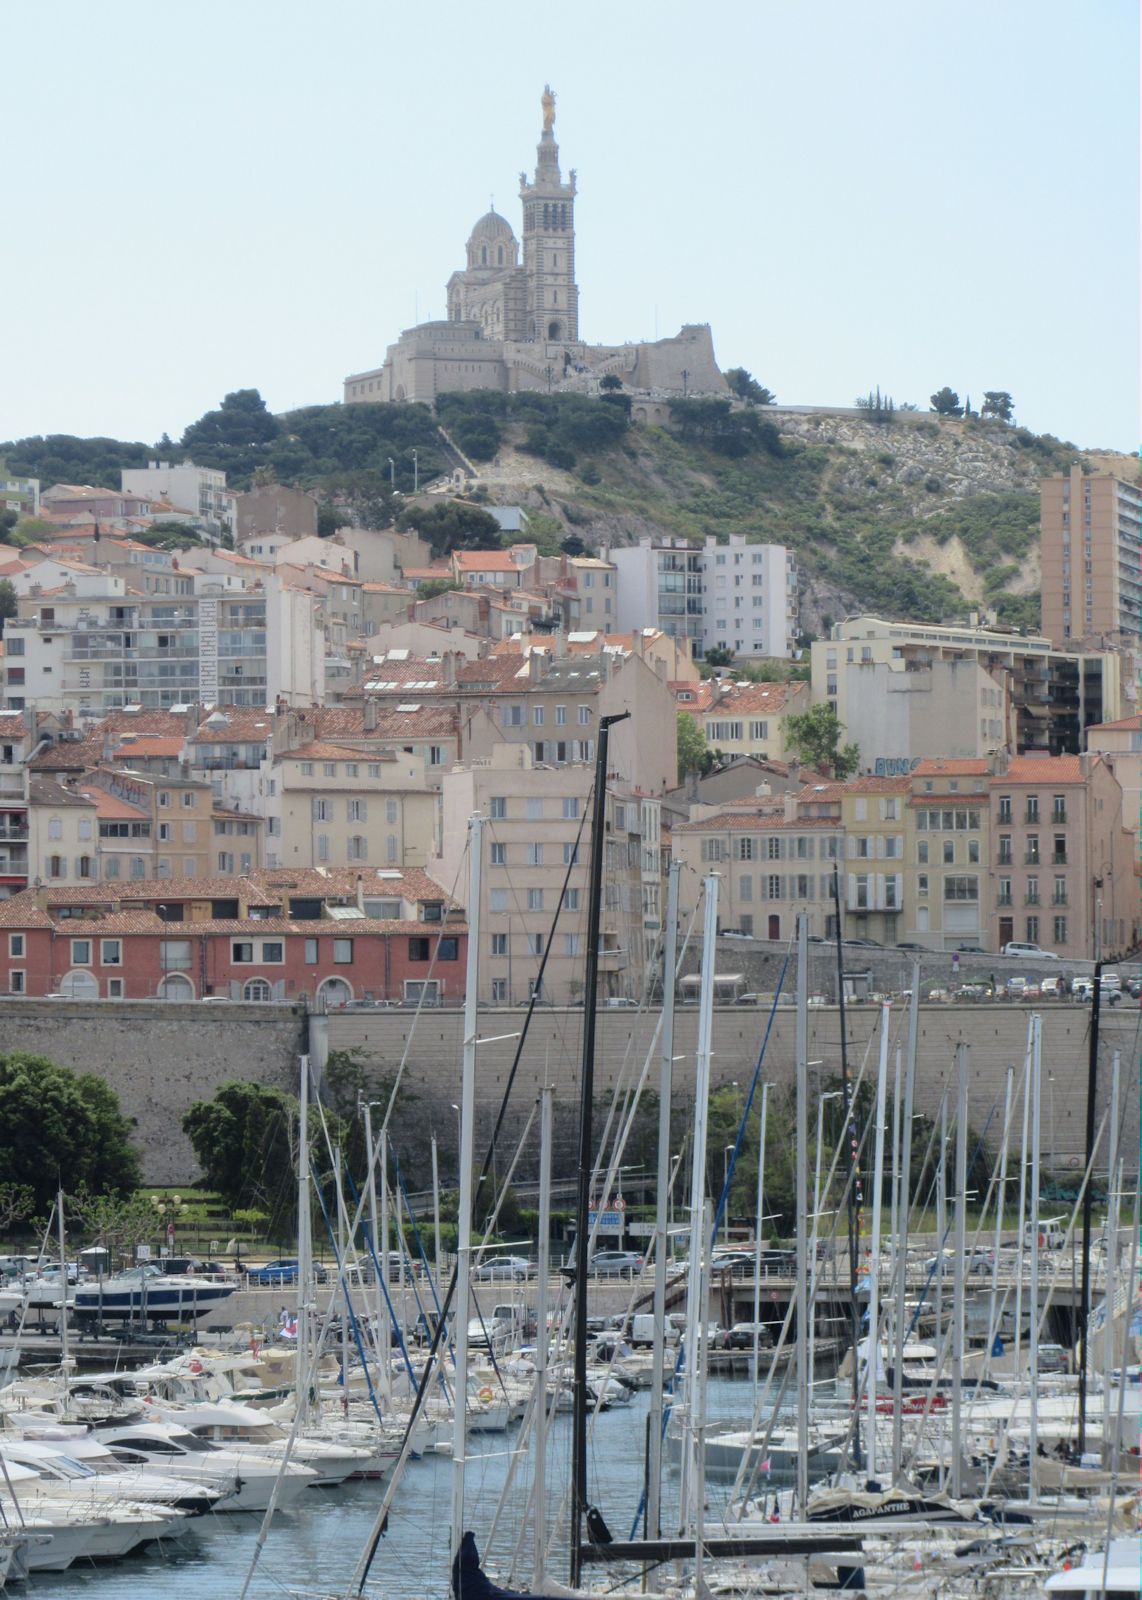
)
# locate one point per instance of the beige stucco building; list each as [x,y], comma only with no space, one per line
[946,854]
[343,806]
[1063,870]
[906,690]
[537,839]
[774,864]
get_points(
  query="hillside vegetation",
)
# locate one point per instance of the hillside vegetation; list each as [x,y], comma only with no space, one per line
[908,514]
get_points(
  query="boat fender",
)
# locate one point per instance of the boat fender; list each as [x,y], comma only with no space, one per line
[196,1367]
[487,1395]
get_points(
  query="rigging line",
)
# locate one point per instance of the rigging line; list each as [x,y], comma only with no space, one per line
[371,1545]
[420,1001]
[633,1095]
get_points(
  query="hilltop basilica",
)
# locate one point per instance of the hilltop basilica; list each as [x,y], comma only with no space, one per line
[514,324]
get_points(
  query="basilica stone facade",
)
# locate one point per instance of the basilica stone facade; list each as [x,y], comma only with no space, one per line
[514,324]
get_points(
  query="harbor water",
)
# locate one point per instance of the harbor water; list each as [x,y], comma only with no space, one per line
[314,1549]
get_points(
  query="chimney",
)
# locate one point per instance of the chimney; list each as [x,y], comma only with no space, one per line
[790,804]
[448,664]
[360,893]
[693,779]
[370,714]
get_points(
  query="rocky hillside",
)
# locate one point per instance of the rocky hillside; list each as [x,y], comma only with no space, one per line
[905,513]
[920,516]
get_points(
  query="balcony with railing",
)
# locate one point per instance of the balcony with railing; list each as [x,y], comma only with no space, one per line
[1031,816]
[1060,898]
[1058,858]
[1031,898]
[1059,817]
[1002,900]
[1031,859]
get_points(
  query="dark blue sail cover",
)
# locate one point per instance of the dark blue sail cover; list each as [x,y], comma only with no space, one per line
[471,1582]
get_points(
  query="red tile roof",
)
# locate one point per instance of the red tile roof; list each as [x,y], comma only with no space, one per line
[1042,769]
[965,766]
[1129,724]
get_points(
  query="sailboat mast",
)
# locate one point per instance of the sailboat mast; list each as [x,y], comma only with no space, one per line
[546,1123]
[850,1163]
[587,1091]
[304,1241]
[804,1376]
[902,1214]
[958,1266]
[64,1352]
[464,1214]
[662,1201]
[1033,1337]
[1088,1200]
[877,1202]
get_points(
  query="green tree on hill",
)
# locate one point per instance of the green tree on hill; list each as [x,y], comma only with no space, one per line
[746,387]
[453,526]
[815,736]
[997,403]
[946,403]
[234,438]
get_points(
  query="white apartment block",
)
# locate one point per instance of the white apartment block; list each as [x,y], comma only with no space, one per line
[199,491]
[537,838]
[740,595]
[749,598]
[93,645]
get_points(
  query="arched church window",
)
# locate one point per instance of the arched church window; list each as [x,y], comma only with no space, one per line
[563,216]
[500,255]
[546,218]
[555,297]
[483,255]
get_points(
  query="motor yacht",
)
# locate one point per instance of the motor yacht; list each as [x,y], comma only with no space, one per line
[183,1455]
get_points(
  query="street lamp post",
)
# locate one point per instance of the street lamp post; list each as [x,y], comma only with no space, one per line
[415,474]
[392,474]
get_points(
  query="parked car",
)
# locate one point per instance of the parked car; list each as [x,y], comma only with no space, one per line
[905,944]
[971,950]
[868,944]
[741,1336]
[274,1272]
[615,1263]
[622,1001]
[1029,951]
[500,1269]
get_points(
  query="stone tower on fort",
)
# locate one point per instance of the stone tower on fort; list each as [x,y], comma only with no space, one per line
[513,324]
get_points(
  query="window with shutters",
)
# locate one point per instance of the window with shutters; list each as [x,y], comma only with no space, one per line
[745,849]
[773,888]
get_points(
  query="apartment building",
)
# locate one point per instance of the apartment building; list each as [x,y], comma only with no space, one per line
[660,585]
[947,854]
[20,732]
[343,806]
[21,495]
[199,491]
[739,595]
[93,644]
[742,719]
[891,687]
[328,939]
[870,813]
[537,849]
[774,864]
[1063,870]
[1120,745]
[750,598]
[1091,553]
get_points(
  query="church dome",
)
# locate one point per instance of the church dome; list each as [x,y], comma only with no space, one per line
[491,228]
[492,245]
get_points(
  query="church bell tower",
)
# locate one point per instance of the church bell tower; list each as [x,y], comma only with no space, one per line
[549,241]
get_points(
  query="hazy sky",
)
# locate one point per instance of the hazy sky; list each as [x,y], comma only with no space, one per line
[237,193]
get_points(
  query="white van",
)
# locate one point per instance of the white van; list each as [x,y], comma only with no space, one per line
[642,1329]
[1051,1235]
